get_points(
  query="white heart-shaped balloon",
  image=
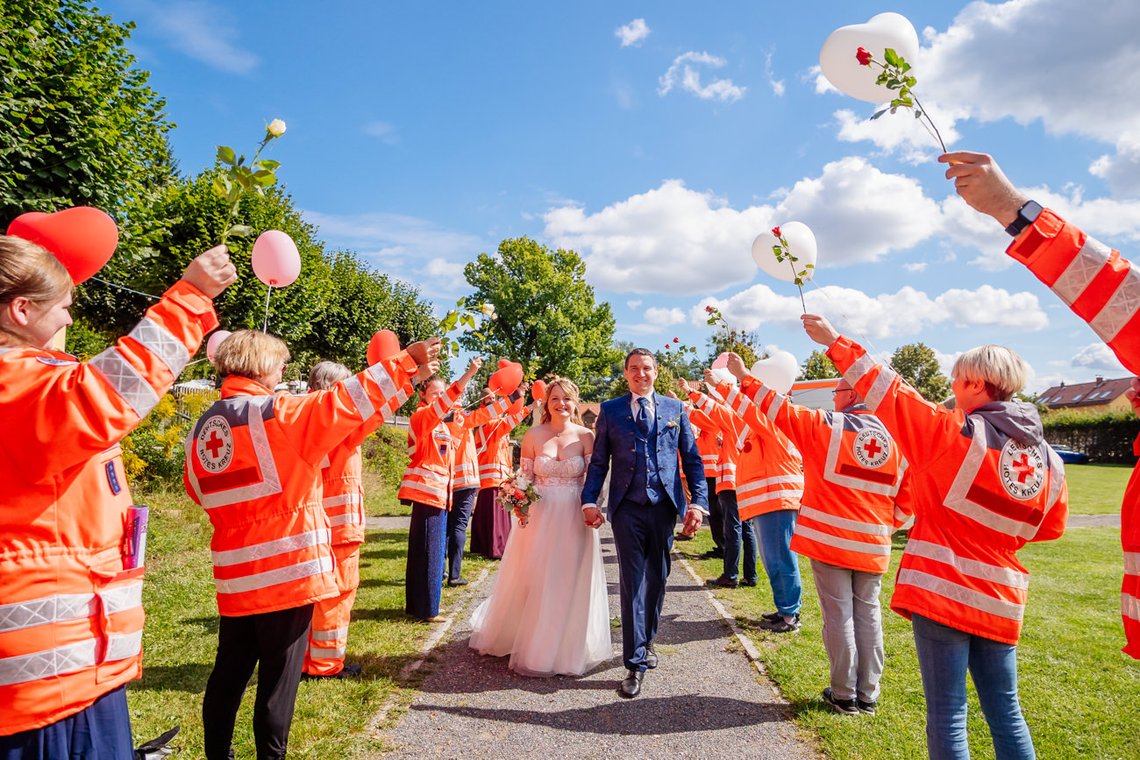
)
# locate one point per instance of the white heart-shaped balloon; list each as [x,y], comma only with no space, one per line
[801,244]
[723,375]
[778,371]
[839,65]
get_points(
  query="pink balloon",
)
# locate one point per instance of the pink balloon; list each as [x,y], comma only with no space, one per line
[275,260]
[215,341]
[721,361]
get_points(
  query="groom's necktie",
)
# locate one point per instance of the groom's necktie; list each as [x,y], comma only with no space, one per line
[643,415]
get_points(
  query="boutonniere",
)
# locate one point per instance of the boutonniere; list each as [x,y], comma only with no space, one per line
[673,422]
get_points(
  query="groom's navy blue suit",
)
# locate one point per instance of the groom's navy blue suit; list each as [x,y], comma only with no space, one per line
[646,497]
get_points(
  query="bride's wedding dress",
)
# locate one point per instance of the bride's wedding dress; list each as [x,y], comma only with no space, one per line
[548,609]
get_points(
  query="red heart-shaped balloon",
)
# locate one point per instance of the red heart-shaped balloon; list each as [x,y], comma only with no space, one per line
[82,238]
[538,390]
[504,363]
[506,379]
[384,345]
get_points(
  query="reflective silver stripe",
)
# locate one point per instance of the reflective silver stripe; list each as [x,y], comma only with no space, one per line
[327,653]
[862,547]
[66,659]
[270,482]
[341,500]
[423,472]
[274,577]
[1081,270]
[60,608]
[956,496]
[728,467]
[335,634]
[769,496]
[325,463]
[900,516]
[858,369]
[1132,563]
[348,518]
[274,548]
[1130,606]
[871,529]
[380,374]
[1121,307]
[983,570]
[125,380]
[967,596]
[777,403]
[831,465]
[359,397]
[416,485]
[438,407]
[162,343]
[879,388]
[706,404]
[755,485]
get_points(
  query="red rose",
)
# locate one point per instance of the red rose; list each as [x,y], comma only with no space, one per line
[676,340]
[863,57]
[708,308]
[776,232]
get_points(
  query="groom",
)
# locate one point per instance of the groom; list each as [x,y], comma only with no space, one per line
[642,434]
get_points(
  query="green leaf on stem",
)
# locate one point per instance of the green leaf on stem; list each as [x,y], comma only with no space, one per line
[239,230]
[226,155]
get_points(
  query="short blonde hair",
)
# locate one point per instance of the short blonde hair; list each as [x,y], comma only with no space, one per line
[250,353]
[1000,368]
[566,385]
[325,375]
[30,271]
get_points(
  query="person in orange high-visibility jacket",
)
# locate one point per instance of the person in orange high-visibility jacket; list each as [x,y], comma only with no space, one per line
[490,523]
[739,535]
[983,483]
[1099,285]
[71,615]
[709,439]
[253,462]
[852,475]
[465,477]
[426,486]
[770,484]
[342,497]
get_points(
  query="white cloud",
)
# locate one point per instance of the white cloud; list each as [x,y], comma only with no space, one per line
[1098,356]
[382,131]
[685,72]
[632,33]
[203,31]
[915,266]
[438,267]
[777,85]
[664,317]
[633,303]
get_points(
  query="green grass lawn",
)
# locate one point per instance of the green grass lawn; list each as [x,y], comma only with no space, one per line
[180,639]
[1078,690]
[1096,489]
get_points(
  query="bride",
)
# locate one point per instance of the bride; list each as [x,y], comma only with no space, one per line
[548,609]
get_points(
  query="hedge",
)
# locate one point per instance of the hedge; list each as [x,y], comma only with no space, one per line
[1104,436]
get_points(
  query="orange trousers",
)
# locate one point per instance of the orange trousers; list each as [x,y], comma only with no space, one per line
[328,635]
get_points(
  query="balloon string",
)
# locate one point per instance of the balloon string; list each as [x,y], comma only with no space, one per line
[866,341]
[265,322]
[129,290]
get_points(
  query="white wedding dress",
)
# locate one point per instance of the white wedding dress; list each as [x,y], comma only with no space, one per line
[548,609]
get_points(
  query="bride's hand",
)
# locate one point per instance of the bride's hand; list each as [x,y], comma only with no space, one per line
[593,517]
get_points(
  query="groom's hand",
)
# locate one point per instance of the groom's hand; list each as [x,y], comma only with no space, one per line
[593,517]
[693,519]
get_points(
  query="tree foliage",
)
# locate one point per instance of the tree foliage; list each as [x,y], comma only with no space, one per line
[918,366]
[742,342]
[78,123]
[548,319]
[817,367]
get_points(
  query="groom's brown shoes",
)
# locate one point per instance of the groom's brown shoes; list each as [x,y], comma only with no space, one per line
[631,686]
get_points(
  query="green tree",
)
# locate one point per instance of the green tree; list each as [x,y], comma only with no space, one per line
[742,342]
[78,123]
[548,319]
[817,367]
[918,366]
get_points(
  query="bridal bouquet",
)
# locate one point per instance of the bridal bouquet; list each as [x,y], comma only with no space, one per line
[517,494]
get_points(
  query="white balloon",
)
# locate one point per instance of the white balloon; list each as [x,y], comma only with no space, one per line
[778,371]
[724,376]
[837,56]
[215,341]
[801,244]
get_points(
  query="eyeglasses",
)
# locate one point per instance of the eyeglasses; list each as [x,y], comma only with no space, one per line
[841,390]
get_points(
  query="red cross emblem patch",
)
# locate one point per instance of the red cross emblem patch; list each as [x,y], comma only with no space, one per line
[215,444]
[872,448]
[1022,470]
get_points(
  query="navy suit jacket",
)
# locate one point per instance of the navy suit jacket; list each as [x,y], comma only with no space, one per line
[614,443]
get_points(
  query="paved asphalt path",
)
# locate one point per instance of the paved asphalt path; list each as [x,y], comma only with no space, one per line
[705,700]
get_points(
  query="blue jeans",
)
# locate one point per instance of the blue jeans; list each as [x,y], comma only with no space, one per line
[462,502]
[774,530]
[944,654]
[101,731]
[735,534]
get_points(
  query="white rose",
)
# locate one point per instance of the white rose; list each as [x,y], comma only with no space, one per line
[488,310]
[521,482]
[276,128]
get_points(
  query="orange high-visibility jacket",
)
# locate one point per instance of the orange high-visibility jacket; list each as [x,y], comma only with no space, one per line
[253,462]
[71,615]
[983,484]
[770,476]
[431,449]
[465,469]
[708,440]
[852,475]
[493,445]
[733,434]
[1103,288]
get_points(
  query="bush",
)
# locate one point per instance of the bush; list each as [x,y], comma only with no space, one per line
[153,454]
[1104,436]
[386,453]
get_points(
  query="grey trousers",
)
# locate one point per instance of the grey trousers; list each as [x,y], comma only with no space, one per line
[852,629]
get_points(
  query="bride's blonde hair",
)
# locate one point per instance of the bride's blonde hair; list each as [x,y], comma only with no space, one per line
[571,392]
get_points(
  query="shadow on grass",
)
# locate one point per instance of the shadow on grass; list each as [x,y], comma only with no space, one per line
[209,624]
[380,582]
[189,677]
[381,614]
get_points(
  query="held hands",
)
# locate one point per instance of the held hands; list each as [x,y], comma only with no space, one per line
[211,272]
[593,517]
[819,329]
[983,185]
[692,524]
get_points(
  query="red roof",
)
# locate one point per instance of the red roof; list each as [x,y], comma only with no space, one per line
[1099,391]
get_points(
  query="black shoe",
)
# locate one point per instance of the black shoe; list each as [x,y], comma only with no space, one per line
[781,624]
[351,670]
[771,617]
[682,537]
[845,706]
[713,554]
[650,657]
[750,584]
[866,707]
[721,582]
[458,582]
[631,686]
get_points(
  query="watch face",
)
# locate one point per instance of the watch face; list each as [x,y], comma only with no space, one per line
[1029,212]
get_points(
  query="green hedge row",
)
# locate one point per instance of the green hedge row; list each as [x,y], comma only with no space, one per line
[1104,436]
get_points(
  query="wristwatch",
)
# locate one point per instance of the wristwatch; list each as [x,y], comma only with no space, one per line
[1026,215]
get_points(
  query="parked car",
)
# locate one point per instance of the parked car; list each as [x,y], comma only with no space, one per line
[1069,455]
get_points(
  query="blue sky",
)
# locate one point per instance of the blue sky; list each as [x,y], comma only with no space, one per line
[657,139]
